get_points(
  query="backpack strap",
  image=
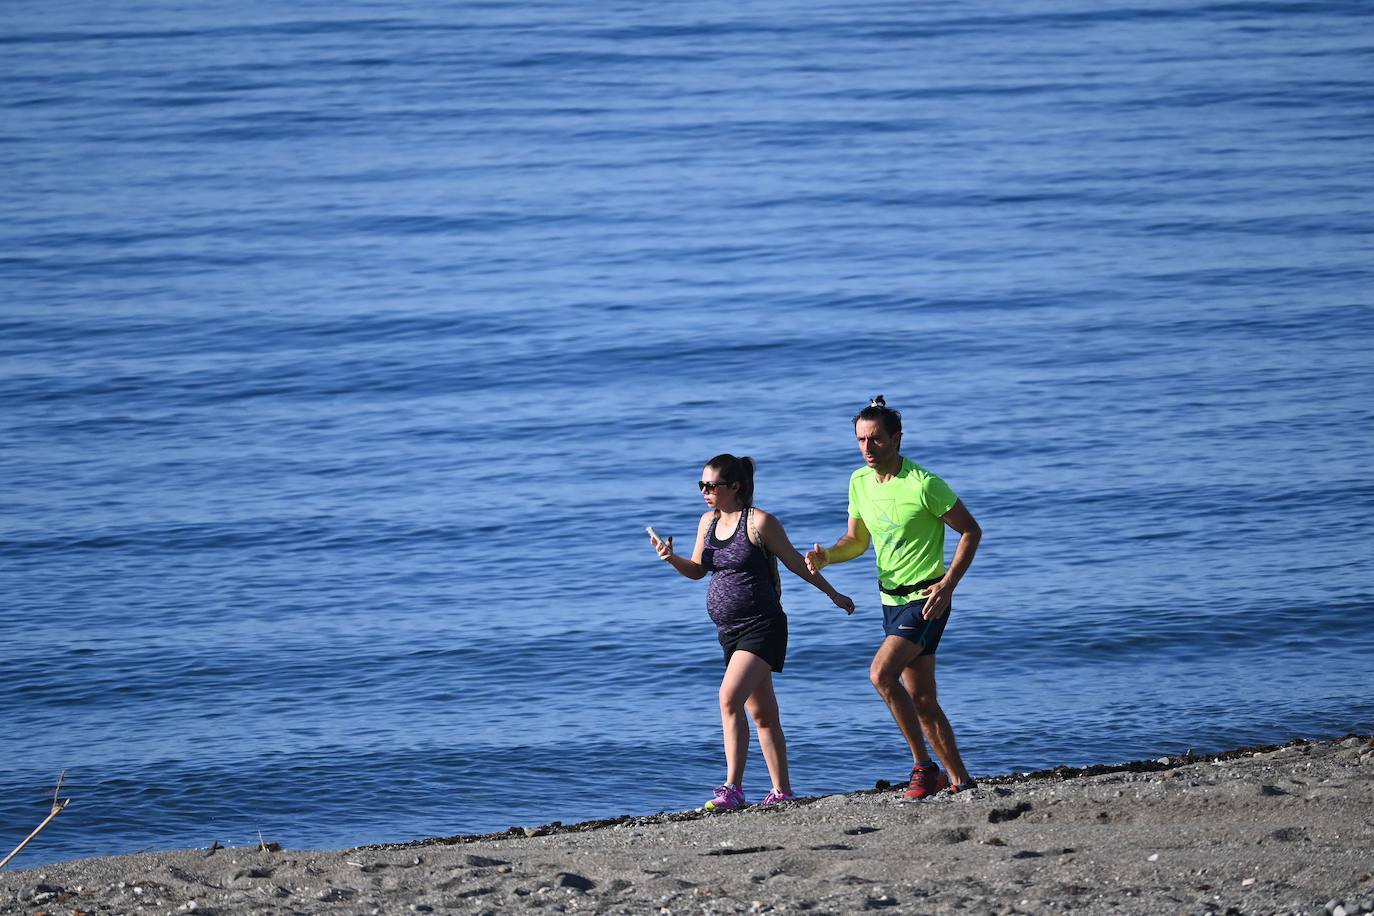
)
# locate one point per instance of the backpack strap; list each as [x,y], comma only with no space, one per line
[772,560]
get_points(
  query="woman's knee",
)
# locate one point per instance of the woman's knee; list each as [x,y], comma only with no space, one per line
[765,715]
[731,703]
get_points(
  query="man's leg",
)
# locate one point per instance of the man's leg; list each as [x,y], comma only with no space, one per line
[744,673]
[893,657]
[763,709]
[919,677]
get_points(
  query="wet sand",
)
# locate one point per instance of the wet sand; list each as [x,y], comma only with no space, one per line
[1286,829]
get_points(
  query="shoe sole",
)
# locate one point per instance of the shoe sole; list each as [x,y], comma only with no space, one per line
[909,797]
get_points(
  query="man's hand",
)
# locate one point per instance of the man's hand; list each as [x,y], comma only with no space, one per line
[817,559]
[938,598]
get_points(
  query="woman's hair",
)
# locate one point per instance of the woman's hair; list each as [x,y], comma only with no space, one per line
[877,409]
[736,470]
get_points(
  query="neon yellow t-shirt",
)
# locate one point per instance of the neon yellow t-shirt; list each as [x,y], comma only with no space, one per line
[903,517]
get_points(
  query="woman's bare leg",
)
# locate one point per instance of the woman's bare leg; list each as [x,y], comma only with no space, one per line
[742,677]
[763,709]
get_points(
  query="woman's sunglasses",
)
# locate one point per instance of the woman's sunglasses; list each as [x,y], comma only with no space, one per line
[708,486]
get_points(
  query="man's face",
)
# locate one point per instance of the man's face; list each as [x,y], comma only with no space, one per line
[875,444]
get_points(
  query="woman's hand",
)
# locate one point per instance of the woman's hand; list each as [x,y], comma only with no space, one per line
[663,548]
[843,602]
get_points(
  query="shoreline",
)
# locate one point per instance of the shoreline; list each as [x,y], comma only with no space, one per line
[1062,772]
[1268,829]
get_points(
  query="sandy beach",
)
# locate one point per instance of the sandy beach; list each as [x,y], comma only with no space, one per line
[1285,829]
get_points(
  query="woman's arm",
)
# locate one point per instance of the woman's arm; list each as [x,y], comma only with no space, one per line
[775,542]
[693,568]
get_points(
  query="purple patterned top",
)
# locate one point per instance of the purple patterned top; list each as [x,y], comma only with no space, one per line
[742,591]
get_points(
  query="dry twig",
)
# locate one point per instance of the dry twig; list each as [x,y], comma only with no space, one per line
[57,806]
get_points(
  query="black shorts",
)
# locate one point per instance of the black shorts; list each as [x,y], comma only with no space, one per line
[767,639]
[905,621]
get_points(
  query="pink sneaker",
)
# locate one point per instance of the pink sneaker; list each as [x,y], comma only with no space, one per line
[774,796]
[727,798]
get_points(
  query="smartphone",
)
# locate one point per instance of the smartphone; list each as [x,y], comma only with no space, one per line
[652,533]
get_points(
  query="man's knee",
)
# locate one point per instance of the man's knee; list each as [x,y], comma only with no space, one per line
[883,678]
[927,705]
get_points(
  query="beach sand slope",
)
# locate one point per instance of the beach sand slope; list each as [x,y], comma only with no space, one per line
[1285,829]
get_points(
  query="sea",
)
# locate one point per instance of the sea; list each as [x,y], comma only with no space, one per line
[347,349]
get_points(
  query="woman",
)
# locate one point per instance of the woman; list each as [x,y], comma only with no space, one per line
[735,544]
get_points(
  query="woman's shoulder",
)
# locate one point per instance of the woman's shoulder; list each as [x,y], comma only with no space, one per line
[765,521]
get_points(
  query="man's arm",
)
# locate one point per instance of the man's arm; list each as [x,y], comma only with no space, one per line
[776,542]
[939,595]
[853,544]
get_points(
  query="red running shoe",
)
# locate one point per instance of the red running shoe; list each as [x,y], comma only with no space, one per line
[926,780]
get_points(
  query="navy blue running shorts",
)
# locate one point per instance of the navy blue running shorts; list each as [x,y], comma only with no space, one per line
[905,621]
[767,639]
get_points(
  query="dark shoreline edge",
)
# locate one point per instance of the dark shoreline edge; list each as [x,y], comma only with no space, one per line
[1062,773]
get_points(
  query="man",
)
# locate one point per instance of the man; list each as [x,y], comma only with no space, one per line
[903,509]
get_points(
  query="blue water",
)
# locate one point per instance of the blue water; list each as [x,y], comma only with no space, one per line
[347,349]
